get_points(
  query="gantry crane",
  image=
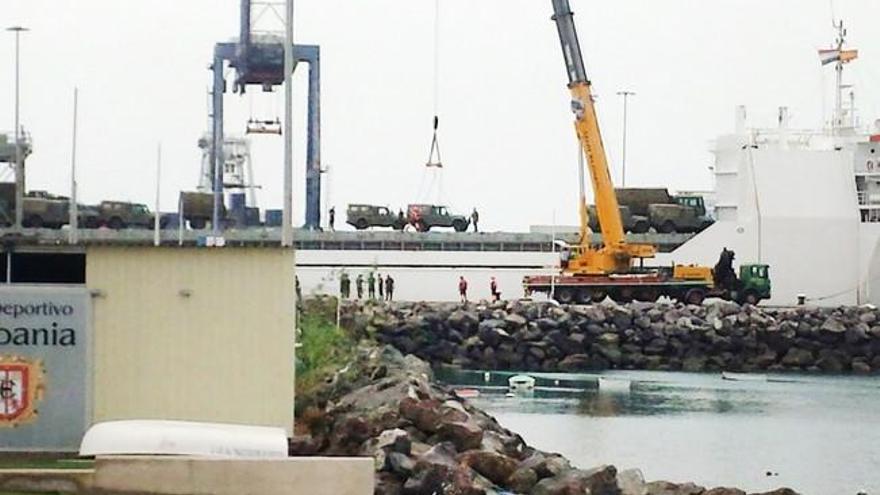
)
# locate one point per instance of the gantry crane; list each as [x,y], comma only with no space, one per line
[258,60]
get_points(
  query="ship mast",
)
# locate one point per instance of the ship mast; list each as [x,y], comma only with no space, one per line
[840,57]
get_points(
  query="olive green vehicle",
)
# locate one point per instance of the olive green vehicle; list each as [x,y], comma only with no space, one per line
[120,215]
[686,214]
[362,217]
[664,212]
[198,208]
[43,210]
[636,224]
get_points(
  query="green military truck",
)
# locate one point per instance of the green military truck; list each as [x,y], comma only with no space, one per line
[664,212]
[42,210]
[362,217]
[425,217]
[197,208]
[120,215]
[636,224]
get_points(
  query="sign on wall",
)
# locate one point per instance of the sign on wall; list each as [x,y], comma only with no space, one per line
[44,367]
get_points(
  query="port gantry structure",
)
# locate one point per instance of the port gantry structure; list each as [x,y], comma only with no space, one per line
[258,59]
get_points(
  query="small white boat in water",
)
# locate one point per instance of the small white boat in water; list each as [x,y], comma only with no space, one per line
[154,437]
[521,384]
[743,377]
[607,384]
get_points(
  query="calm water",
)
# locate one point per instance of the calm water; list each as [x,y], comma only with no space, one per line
[818,435]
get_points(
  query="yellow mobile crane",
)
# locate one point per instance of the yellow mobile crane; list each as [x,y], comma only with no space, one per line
[591,273]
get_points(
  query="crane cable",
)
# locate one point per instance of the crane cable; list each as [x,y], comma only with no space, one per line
[434,165]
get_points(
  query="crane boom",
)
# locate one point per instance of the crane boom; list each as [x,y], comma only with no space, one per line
[616,255]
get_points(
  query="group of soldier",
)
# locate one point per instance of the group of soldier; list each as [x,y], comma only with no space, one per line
[370,283]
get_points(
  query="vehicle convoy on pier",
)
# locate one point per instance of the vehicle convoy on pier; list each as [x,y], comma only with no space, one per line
[423,217]
[615,268]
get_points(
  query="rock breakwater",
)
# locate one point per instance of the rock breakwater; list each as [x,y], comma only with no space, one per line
[716,336]
[427,441]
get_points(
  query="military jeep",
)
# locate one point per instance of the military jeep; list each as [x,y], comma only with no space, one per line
[362,217]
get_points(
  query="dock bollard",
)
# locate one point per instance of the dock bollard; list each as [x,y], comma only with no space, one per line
[801,299]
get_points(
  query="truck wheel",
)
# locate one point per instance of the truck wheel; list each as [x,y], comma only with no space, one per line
[598,295]
[459,226]
[116,223]
[641,227]
[34,222]
[751,298]
[564,295]
[361,224]
[695,297]
[197,223]
[584,296]
[648,294]
[667,227]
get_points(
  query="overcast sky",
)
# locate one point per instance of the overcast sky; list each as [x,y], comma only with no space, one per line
[507,140]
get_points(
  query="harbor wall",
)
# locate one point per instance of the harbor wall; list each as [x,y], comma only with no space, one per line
[721,336]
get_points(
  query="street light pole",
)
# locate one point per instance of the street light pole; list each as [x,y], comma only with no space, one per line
[626,95]
[19,158]
[287,211]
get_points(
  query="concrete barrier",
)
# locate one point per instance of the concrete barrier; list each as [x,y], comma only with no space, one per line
[46,480]
[185,476]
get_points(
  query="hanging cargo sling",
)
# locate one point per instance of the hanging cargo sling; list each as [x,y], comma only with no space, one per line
[435,148]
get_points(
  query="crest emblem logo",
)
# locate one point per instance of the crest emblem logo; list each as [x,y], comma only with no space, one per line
[21,388]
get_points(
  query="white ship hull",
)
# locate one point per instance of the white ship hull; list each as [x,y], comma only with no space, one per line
[790,200]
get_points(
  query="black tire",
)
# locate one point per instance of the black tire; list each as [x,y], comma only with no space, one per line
[751,298]
[667,227]
[584,296]
[198,223]
[695,297]
[33,222]
[598,295]
[361,224]
[116,223]
[459,226]
[641,227]
[564,295]
[648,294]
[92,223]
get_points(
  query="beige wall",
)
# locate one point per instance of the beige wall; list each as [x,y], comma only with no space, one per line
[203,334]
[186,476]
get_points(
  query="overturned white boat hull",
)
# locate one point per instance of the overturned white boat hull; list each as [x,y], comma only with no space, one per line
[154,437]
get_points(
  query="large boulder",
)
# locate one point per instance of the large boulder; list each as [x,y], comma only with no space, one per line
[522,480]
[465,435]
[797,357]
[631,482]
[597,481]
[668,488]
[496,467]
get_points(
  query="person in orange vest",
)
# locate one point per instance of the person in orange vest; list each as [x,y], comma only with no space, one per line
[462,289]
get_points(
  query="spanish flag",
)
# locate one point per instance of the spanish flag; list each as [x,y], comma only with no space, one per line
[834,55]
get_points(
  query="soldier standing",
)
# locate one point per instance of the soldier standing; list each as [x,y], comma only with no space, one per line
[381,287]
[359,285]
[371,285]
[389,288]
[344,286]
[475,219]
[332,219]
[493,288]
